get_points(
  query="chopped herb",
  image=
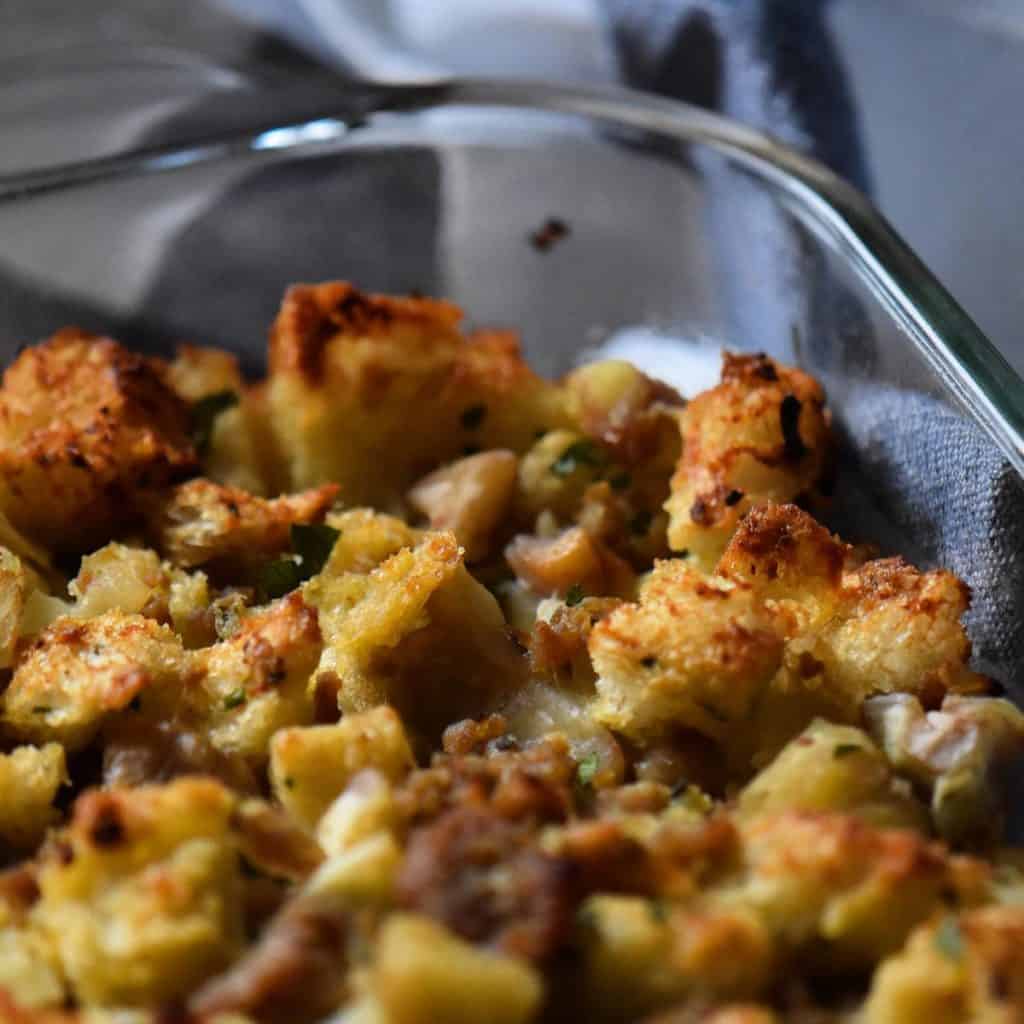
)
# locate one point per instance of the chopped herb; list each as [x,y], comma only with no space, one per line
[289,782]
[846,749]
[587,769]
[659,912]
[649,661]
[204,415]
[620,481]
[579,453]
[948,939]
[41,709]
[789,420]
[574,595]
[234,699]
[313,544]
[472,416]
[640,523]
[279,577]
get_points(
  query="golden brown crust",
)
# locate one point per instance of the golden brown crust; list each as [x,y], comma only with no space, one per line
[88,428]
[762,435]
[202,523]
[312,315]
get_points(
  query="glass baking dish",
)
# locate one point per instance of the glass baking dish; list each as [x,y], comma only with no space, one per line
[592,221]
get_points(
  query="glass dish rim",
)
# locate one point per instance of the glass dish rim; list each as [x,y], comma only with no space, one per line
[945,335]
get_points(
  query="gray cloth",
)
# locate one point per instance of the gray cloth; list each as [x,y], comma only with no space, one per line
[923,482]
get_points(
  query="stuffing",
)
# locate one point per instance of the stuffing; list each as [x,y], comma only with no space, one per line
[404,685]
[88,428]
[247,687]
[422,974]
[310,767]
[963,753]
[15,588]
[79,672]
[641,955]
[417,632]
[371,392]
[570,559]
[957,969]
[832,884]
[692,652]
[228,530]
[762,435]
[30,975]
[29,780]
[831,767]
[118,577]
[779,635]
[141,894]
[470,497]
[227,416]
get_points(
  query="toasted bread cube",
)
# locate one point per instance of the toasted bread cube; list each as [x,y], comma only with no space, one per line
[424,974]
[29,780]
[419,632]
[141,894]
[30,976]
[815,876]
[77,673]
[236,452]
[257,681]
[762,435]
[310,767]
[957,969]
[371,392]
[227,529]
[88,428]
[641,955]
[693,652]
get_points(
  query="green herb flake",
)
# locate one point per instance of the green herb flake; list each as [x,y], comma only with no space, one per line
[587,769]
[41,709]
[579,453]
[289,782]
[313,544]
[204,416]
[279,577]
[236,698]
[846,749]
[472,416]
[949,940]
[620,481]
[574,595]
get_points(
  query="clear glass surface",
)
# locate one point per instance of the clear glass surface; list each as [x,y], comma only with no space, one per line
[684,227]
